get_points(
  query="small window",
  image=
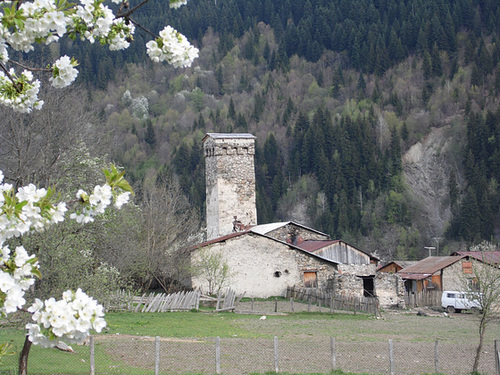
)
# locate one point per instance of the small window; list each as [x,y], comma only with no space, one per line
[467,267]
[310,279]
[450,295]
[277,274]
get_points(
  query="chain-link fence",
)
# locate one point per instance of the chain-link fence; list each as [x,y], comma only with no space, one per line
[118,354]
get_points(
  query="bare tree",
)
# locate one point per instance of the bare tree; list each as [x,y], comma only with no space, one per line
[32,144]
[483,289]
[211,268]
[170,226]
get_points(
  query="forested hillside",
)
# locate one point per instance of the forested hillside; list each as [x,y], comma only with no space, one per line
[341,95]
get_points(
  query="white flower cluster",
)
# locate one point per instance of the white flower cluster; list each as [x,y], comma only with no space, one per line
[172,47]
[98,201]
[31,208]
[15,278]
[177,3]
[95,21]
[63,72]
[46,21]
[22,212]
[69,319]
[20,92]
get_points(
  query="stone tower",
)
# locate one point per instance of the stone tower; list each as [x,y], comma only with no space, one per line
[230,183]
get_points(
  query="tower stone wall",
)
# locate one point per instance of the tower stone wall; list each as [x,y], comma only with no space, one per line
[230,183]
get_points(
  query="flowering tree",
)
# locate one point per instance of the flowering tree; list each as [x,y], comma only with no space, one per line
[71,318]
[24,23]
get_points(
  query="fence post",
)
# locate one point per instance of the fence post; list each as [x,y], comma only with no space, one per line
[334,354]
[218,300]
[436,356]
[157,355]
[497,357]
[309,304]
[92,355]
[332,305]
[291,304]
[391,356]
[217,355]
[276,357]
[252,303]
[275,305]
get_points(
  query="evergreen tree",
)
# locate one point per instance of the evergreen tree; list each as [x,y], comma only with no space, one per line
[150,136]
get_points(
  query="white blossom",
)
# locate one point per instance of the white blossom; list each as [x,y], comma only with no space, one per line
[172,47]
[64,72]
[69,319]
[45,21]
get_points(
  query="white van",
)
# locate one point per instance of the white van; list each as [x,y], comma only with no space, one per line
[454,301]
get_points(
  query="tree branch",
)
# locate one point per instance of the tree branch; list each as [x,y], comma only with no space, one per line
[131,10]
[45,70]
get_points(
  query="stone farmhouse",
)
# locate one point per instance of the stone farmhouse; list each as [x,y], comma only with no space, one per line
[263,260]
[439,273]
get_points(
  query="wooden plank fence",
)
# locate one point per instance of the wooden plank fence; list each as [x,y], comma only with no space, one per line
[162,302]
[430,298]
[180,301]
[323,297]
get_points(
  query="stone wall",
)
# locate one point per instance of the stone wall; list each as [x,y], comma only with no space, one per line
[454,277]
[292,233]
[358,269]
[230,182]
[390,290]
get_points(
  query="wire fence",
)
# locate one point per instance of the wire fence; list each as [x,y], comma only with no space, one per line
[116,354]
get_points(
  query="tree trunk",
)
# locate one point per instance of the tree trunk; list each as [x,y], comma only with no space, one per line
[482,326]
[23,358]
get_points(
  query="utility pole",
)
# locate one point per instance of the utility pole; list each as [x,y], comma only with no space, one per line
[437,239]
[430,248]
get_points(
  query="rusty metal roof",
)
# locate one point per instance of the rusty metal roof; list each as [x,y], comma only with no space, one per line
[218,239]
[492,257]
[313,245]
[430,265]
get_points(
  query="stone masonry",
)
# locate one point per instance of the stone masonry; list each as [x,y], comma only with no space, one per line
[230,183]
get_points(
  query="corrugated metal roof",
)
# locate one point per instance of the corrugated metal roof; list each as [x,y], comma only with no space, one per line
[266,228]
[430,265]
[492,257]
[405,263]
[312,245]
[229,136]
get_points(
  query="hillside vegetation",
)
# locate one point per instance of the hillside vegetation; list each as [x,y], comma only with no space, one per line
[377,122]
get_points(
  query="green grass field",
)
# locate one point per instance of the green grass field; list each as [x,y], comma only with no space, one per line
[204,326]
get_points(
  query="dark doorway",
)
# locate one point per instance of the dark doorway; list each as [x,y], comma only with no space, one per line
[368,286]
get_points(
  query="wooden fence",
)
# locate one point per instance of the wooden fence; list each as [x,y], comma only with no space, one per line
[162,302]
[431,298]
[323,297]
